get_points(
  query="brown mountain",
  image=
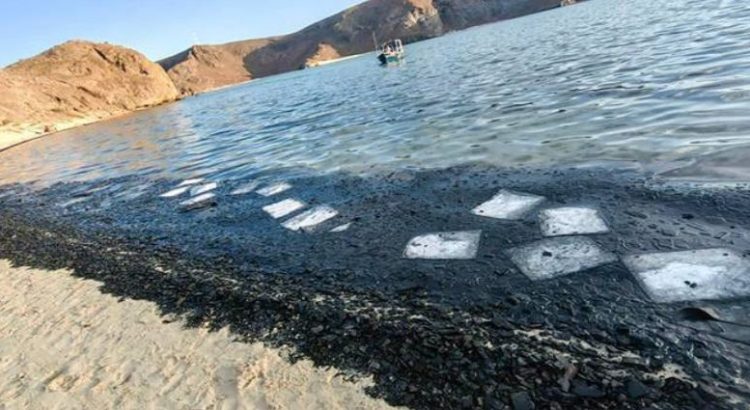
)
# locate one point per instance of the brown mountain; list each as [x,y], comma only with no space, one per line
[205,67]
[349,32]
[346,33]
[76,83]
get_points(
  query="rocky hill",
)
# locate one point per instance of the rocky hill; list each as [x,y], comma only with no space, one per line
[349,32]
[205,67]
[346,33]
[76,83]
[460,14]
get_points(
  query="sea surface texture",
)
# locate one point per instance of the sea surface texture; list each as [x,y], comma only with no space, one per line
[652,81]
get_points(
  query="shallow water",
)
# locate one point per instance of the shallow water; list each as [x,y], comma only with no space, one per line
[658,83]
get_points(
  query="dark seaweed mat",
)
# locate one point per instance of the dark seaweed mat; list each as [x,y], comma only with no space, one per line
[433,335]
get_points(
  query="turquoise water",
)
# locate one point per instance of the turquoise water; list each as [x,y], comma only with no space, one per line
[653,83]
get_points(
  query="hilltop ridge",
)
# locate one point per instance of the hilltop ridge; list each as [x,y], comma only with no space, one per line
[205,67]
[76,83]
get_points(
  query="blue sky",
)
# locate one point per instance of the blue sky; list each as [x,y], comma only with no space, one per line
[157,28]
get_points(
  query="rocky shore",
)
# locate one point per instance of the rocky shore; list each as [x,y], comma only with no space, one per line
[432,334]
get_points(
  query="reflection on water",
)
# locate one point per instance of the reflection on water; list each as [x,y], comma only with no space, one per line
[652,81]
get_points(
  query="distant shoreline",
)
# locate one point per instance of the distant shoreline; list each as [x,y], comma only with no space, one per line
[13,136]
[336,60]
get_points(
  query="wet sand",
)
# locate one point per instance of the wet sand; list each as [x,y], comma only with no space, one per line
[13,135]
[10,137]
[64,344]
[17,134]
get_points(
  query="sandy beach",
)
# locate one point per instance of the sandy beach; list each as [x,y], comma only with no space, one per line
[66,345]
[10,136]
[9,139]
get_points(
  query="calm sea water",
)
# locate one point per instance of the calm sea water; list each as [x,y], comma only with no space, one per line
[652,82]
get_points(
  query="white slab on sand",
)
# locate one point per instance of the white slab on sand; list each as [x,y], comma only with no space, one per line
[444,245]
[200,200]
[706,274]
[245,189]
[572,221]
[283,208]
[202,189]
[342,228]
[508,205]
[189,182]
[551,258]
[133,192]
[274,189]
[74,201]
[175,192]
[310,219]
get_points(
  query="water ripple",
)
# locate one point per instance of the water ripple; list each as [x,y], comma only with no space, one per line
[653,81]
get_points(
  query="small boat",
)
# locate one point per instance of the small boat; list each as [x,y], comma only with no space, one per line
[391,52]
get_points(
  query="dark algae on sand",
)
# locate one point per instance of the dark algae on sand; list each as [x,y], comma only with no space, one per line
[474,333]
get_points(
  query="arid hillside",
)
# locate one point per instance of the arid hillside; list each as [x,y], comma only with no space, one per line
[76,83]
[349,32]
[206,67]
